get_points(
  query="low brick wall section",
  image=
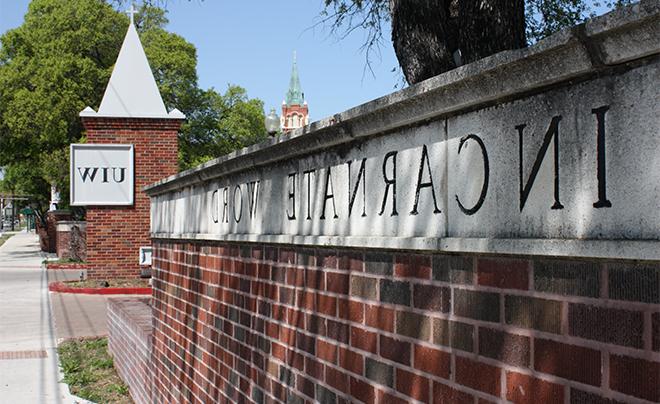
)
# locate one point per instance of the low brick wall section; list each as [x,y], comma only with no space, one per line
[48,233]
[250,322]
[130,344]
[71,240]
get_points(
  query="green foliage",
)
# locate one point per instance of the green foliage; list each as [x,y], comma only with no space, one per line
[216,124]
[549,16]
[59,61]
[221,123]
[55,170]
[88,370]
[172,59]
[545,17]
[24,178]
[52,66]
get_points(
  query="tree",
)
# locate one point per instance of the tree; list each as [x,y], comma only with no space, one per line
[545,17]
[216,124]
[53,65]
[59,61]
[22,179]
[433,36]
[220,124]
[436,35]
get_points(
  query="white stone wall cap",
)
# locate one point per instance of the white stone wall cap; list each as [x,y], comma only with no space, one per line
[176,114]
[66,226]
[88,111]
[599,249]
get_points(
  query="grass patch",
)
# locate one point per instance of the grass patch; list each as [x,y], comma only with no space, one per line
[4,238]
[89,371]
[64,261]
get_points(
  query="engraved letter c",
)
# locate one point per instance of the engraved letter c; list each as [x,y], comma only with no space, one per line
[484,188]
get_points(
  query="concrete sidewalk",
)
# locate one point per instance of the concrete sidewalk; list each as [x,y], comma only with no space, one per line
[78,315]
[29,371]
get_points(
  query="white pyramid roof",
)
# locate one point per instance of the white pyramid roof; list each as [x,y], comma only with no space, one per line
[132,91]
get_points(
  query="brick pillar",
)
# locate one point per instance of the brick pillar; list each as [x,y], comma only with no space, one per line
[116,233]
[48,236]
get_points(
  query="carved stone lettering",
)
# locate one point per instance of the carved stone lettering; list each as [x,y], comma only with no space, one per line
[424,184]
[602,167]
[484,189]
[238,203]
[329,194]
[552,133]
[390,181]
[291,214]
[361,178]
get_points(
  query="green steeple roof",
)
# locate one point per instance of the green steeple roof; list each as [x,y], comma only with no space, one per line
[295,95]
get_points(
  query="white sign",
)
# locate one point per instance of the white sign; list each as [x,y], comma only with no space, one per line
[145,255]
[102,174]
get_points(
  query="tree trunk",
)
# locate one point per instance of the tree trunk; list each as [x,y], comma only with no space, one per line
[490,26]
[423,37]
[427,33]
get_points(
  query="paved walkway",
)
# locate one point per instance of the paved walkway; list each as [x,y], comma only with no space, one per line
[78,315]
[29,370]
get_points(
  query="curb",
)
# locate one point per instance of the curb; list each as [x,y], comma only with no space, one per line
[55,266]
[61,287]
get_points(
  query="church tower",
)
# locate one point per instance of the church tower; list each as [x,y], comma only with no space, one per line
[295,113]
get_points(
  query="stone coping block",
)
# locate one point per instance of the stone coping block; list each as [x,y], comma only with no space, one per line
[136,311]
[67,225]
[62,287]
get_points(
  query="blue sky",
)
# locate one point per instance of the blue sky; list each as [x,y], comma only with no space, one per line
[251,42]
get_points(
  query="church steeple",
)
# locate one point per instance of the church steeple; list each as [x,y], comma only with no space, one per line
[295,113]
[295,96]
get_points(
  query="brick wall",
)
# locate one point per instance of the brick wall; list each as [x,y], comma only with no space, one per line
[116,233]
[63,240]
[260,323]
[48,234]
[71,240]
[130,343]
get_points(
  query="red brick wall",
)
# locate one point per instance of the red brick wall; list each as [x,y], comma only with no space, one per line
[255,323]
[130,343]
[64,245]
[48,234]
[116,233]
[301,110]
[63,241]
